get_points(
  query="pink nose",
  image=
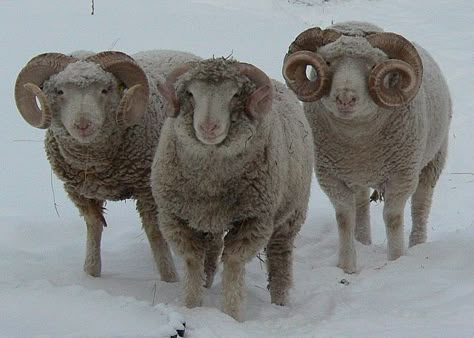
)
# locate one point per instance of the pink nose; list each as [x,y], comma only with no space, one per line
[82,124]
[346,100]
[208,127]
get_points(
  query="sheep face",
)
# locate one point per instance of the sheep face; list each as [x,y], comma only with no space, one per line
[348,96]
[218,104]
[353,70]
[212,105]
[81,102]
[48,79]
[213,114]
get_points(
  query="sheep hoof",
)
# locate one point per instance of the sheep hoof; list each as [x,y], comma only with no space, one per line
[234,313]
[363,239]
[391,256]
[415,240]
[347,268]
[279,298]
[192,303]
[364,242]
[93,271]
[174,279]
[170,277]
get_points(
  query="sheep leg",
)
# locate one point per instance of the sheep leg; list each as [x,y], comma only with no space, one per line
[399,188]
[92,211]
[343,200]
[362,229]
[194,261]
[241,244]
[213,252]
[233,287]
[279,253]
[191,246]
[422,198]
[345,216]
[161,252]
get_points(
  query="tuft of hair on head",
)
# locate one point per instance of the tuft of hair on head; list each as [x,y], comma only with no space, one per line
[82,54]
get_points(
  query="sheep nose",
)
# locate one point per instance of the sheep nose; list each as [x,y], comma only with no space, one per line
[346,99]
[82,124]
[208,127]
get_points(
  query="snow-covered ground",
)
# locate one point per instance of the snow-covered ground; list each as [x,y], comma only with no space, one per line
[43,291]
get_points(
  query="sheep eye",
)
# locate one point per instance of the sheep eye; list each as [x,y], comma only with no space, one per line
[189,94]
[328,63]
[59,92]
[105,91]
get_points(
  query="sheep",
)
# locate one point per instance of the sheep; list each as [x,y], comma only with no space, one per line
[380,109]
[231,174]
[103,116]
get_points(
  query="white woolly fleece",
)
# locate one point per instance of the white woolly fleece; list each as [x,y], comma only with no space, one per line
[82,73]
[355,28]
[82,54]
[350,46]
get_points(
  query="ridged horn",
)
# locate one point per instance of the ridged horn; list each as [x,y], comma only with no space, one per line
[28,83]
[294,72]
[168,91]
[260,101]
[312,39]
[134,102]
[302,53]
[404,60]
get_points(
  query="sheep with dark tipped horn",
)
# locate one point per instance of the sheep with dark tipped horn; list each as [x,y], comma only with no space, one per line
[380,111]
[232,174]
[103,116]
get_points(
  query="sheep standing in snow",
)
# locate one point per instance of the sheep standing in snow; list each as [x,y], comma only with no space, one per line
[104,114]
[232,172]
[380,111]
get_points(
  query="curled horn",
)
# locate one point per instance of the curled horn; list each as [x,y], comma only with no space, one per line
[135,101]
[312,39]
[168,91]
[27,87]
[302,53]
[260,101]
[403,59]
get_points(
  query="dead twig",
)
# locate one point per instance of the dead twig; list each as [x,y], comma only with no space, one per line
[54,195]
[154,294]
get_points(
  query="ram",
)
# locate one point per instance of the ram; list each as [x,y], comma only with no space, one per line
[380,111]
[232,174]
[103,116]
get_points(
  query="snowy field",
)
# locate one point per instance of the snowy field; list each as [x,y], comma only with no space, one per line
[43,291]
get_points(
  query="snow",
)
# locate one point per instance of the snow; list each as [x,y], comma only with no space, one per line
[43,291]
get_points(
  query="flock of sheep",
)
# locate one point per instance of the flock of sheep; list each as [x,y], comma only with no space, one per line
[219,157]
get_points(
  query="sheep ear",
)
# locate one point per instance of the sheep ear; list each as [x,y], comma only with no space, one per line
[133,105]
[169,95]
[260,102]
